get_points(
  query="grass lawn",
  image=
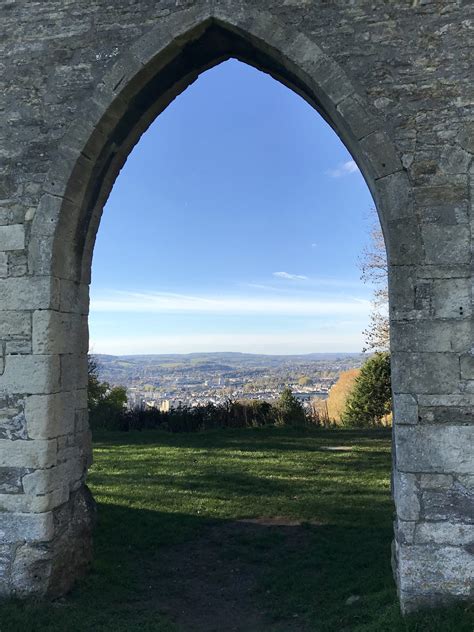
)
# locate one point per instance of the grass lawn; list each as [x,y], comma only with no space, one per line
[160,492]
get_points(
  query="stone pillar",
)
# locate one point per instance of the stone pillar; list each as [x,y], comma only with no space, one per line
[433,382]
[46,511]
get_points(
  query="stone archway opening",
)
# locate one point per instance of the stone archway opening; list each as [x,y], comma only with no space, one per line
[48,526]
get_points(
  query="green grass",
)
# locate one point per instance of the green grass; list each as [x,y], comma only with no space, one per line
[157,489]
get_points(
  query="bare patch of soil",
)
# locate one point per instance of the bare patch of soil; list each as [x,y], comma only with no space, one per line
[212,583]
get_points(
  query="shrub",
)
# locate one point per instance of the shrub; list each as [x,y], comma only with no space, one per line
[289,410]
[371,398]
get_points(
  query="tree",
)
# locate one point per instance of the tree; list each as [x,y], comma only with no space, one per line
[106,404]
[370,400]
[96,390]
[374,269]
[339,393]
[305,380]
[289,410]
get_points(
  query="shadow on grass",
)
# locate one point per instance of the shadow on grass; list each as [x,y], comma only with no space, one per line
[305,570]
[309,571]
[302,573]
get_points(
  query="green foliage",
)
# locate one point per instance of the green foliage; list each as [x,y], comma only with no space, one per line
[289,410]
[371,398]
[230,414]
[106,404]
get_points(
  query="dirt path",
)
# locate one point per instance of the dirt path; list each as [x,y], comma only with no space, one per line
[211,584]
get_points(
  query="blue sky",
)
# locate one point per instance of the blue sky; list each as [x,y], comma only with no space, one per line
[235,225]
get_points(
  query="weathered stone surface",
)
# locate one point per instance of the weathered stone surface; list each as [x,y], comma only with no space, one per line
[3,265]
[12,424]
[11,479]
[34,504]
[405,409]
[431,336]
[33,527]
[454,504]
[406,496]
[451,533]
[29,293]
[467,366]
[73,546]
[31,570]
[436,481]
[427,570]
[15,324]
[446,449]
[429,372]
[70,117]
[51,479]
[58,332]
[53,415]
[12,237]
[30,374]
[39,453]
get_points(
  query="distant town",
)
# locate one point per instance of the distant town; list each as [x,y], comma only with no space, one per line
[168,381]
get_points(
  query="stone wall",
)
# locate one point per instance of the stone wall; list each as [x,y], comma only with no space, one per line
[80,81]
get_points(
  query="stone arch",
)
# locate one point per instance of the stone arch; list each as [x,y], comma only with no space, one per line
[155,70]
[49,524]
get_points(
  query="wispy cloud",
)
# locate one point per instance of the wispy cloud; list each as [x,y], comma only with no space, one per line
[162,302]
[290,277]
[277,343]
[343,169]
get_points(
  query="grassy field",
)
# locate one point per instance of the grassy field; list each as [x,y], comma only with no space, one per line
[327,490]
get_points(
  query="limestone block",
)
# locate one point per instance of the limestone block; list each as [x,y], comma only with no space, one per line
[457,399]
[393,195]
[425,570]
[12,237]
[38,453]
[431,336]
[29,293]
[57,332]
[446,204]
[380,154]
[15,324]
[31,571]
[405,495]
[454,504]
[437,449]
[51,479]
[455,160]
[49,416]
[451,533]
[405,409]
[467,366]
[429,372]
[354,111]
[436,481]
[446,244]
[335,84]
[404,531]
[25,503]
[404,245]
[451,298]
[26,527]
[446,414]
[74,297]
[30,374]
[74,371]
